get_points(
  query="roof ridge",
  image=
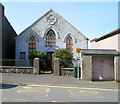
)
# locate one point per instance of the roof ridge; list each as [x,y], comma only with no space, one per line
[110,34]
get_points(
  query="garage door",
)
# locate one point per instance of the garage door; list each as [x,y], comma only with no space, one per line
[103,68]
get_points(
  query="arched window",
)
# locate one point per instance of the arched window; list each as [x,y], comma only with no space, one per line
[69,44]
[32,44]
[51,38]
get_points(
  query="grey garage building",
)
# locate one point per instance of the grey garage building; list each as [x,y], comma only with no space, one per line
[98,64]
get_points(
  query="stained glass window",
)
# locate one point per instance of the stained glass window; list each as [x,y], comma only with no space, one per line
[51,38]
[32,44]
[69,44]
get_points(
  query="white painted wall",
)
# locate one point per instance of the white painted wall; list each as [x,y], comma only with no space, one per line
[108,43]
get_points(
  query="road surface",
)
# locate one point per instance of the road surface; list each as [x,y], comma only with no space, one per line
[47,93]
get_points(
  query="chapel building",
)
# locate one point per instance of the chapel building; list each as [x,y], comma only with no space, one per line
[47,34]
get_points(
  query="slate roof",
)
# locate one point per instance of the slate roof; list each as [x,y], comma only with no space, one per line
[115,32]
[100,52]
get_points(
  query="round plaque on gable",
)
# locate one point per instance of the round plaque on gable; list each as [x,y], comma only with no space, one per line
[51,19]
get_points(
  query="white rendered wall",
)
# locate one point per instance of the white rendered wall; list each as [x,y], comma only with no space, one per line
[108,43]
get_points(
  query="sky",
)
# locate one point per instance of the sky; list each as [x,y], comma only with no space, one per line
[93,19]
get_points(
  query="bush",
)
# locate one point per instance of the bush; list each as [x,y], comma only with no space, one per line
[40,55]
[64,56]
[37,54]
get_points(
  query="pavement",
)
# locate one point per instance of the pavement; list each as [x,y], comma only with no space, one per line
[52,80]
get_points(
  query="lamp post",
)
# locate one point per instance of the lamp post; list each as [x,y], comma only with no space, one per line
[78,50]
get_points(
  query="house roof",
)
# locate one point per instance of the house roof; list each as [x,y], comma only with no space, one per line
[100,52]
[115,32]
[51,10]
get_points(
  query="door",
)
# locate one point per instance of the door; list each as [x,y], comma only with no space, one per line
[49,61]
[103,68]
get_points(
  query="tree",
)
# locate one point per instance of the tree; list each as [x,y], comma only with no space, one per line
[64,56]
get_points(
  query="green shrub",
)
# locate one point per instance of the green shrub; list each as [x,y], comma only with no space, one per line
[64,56]
[37,54]
[40,55]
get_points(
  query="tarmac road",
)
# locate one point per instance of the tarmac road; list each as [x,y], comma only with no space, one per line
[50,79]
[49,93]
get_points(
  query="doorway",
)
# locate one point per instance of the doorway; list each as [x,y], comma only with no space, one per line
[49,61]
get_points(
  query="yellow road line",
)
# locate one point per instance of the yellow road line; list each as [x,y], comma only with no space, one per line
[63,86]
[73,87]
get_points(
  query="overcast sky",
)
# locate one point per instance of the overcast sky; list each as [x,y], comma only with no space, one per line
[93,19]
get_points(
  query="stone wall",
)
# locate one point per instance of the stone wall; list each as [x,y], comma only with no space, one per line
[22,69]
[56,67]
[36,66]
[61,71]
[117,71]
[87,67]
[67,72]
[18,70]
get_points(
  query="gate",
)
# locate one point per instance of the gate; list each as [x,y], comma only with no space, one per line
[47,66]
[49,61]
